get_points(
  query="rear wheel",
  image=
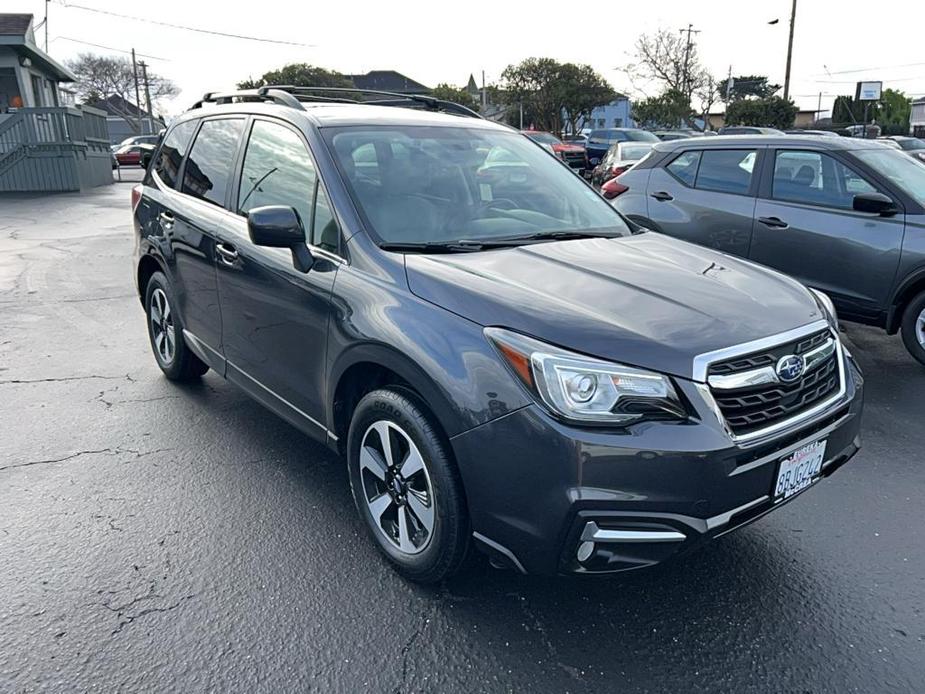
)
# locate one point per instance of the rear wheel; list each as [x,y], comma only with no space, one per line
[166,333]
[913,327]
[406,487]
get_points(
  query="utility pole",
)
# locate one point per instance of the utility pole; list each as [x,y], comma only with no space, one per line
[729,85]
[144,77]
[137,95]
[819,107]
[686,78]
[793,17]
[46,25]
[484,94]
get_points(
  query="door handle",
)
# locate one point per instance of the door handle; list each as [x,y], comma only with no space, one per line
[662,196]
[773,222]
[227,254]
[167,219]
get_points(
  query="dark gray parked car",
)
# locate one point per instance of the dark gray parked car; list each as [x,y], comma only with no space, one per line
[500,358]
[846,216]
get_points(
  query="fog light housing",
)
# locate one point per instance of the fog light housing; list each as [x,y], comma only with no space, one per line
[585,550]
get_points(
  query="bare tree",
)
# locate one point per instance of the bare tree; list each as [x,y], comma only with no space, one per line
[666,59]
[100,77]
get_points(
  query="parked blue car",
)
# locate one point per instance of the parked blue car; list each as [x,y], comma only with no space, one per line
[599,141]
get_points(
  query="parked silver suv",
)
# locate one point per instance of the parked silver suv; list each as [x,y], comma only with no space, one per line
[845,216]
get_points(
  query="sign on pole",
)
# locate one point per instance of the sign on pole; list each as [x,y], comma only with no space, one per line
[868,91]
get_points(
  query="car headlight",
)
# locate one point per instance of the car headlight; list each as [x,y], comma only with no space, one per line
[584,389]
[828,308]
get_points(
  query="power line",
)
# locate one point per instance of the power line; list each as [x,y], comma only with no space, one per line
[185,28]
[869,69]
[108,48]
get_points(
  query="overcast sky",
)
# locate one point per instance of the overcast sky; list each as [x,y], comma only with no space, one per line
[435,42]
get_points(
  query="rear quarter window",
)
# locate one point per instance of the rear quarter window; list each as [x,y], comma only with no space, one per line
[172,152]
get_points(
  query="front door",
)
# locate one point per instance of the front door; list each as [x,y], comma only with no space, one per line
[274,317]
[805,226]
[706,197]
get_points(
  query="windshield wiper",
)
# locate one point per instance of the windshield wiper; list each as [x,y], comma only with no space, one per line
[462,246]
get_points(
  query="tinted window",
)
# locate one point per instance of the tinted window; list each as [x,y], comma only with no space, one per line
[726,170]
[172,152]
[684,168]
[816,179]
[324,228]
[277,171]
[208,167]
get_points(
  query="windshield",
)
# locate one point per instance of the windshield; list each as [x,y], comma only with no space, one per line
[613,136]
[441,185]
[545,138]
[633,152]
[904,171]
[911,144]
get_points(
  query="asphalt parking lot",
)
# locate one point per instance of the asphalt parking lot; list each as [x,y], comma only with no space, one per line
[156,537]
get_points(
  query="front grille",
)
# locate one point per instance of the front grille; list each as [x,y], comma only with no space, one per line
[755,407]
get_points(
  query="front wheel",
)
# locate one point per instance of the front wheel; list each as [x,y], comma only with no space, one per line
[406,486]
[913,327]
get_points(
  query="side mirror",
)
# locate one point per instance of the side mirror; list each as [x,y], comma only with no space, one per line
[875,203]
[278,226]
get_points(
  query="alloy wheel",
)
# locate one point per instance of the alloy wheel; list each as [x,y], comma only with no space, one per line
[163,331]
[920,329]
[397,487]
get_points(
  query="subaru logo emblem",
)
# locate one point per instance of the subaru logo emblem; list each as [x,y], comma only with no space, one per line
[790,368]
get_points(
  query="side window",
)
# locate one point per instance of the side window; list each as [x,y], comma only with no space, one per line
[816,178]
[684,168]
[172,152]
[208,166]
[277,171]
[324,227]
[726,170]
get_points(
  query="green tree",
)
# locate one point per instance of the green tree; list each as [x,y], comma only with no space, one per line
[553,93]
[668,110]
[299,75]
[744,86]
[449,93]
[770,112]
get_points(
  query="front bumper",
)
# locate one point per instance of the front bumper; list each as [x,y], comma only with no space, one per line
[546,497]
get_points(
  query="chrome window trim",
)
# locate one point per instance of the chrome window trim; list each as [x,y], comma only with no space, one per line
[702,361]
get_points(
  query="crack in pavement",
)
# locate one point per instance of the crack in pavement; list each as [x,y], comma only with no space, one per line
[129,619]
[78,454]
[406,649]
[67,378]
[551,649]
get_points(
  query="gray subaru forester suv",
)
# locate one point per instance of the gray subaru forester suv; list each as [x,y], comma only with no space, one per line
[845,216]
[499,357]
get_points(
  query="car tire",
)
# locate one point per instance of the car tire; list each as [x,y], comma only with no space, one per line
[426,490]
[913,327]
[165,332]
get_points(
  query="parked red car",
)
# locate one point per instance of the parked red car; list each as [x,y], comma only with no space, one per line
[130,155]
[573,155]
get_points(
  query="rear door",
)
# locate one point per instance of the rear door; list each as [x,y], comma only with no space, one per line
[193,218]
[807,228]
[275,318]
[707,197]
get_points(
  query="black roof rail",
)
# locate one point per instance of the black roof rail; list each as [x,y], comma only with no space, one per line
[276,96]
[343,94]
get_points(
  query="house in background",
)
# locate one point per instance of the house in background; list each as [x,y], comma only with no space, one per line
[124,119]
[388,81]
[616,114]
[45,144]
[917,118]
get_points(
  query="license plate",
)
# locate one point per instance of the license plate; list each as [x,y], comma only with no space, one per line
[799,470]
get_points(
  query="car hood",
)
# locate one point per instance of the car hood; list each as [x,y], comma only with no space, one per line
[645,300]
